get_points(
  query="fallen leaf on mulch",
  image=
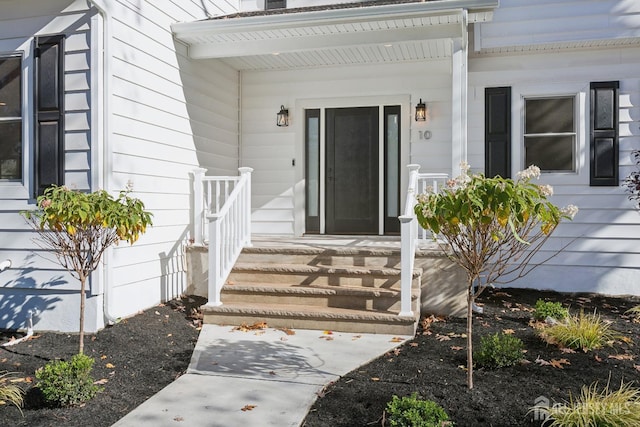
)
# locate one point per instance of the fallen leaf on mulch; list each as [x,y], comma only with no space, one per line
[287,331]
[566,350]
[501,295]
[464,368]
[557,363]
[508,331]
[621,356]
[637,367]
[456,348]
[626,340]
[246,408]
[103,381]
[246,328]
[598,358]
[104,356]
[413,344]
[375,379]
[442,337]
[109,366]
[541,362]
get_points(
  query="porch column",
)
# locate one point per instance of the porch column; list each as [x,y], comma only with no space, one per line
[198,206]
[459,89]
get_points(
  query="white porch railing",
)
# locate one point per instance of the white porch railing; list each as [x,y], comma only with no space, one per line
[410,231]
[222,216]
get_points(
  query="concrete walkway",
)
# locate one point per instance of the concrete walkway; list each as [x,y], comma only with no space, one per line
[256,378]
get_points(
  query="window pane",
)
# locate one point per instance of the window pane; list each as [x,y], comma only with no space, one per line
[11,149]
[392,146]
[10,73]
[549,153]
[549,115]
[313,165]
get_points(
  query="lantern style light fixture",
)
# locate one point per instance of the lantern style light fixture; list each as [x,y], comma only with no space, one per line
[283,117]
[421,111]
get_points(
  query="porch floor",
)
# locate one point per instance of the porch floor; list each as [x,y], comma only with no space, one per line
[335,241]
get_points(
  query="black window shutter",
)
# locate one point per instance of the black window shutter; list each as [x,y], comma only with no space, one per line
[275,4]
[497,131]
[49,112]
[604,133]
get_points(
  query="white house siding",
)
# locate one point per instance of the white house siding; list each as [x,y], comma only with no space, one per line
[270,149]
[170,115]
[599,247]
[34,282]
[526,23]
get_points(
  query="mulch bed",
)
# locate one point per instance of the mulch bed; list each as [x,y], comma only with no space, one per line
[134,358]
[140,355]
[433,365]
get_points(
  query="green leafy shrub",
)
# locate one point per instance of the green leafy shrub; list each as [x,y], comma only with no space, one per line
[545,309]
[620,408]
[67,383]
[10,392]
[585,331]
[499,350]
[410,411]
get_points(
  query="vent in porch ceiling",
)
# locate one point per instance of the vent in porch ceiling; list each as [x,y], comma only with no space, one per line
[275,4]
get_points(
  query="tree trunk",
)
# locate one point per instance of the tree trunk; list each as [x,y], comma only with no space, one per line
[470,300]
[83,282]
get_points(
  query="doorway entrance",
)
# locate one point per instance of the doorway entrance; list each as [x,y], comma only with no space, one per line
[344,171]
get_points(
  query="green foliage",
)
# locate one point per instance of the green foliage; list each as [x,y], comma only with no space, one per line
[498,351]
[65,210]
[9,391]
[584,331]
[67,383]
[634,311]
[593,408]
[410,411]
[555,310]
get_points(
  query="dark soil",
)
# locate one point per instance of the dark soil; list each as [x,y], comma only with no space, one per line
[134,358]
[433,365]
[140,355]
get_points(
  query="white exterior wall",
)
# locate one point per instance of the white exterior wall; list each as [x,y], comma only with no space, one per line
[33,282]
[278,191]
[599,247]
[168,115]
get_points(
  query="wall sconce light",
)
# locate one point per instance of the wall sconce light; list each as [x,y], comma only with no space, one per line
[421,111]
[283,117]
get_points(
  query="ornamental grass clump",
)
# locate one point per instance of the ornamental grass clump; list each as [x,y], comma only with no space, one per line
[10,392]
[549,309]
[584,331]
[491,228]
[499,351]
[411,411]
[594,408]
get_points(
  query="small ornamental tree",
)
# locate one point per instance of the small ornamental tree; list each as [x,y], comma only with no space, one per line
[78,227]
[492,228]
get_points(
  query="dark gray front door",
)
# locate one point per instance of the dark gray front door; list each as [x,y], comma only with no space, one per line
[352,167]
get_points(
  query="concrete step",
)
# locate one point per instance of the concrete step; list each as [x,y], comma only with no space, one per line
[307,317]
[369,257]
[303,274]
[357,298]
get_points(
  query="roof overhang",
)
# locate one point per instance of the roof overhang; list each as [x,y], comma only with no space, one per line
[386,33]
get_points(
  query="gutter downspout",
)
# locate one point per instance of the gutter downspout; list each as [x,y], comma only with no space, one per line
[101,66]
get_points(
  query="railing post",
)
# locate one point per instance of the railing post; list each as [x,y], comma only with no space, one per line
[215,266]
[407,253]
[198,208]
[246,215]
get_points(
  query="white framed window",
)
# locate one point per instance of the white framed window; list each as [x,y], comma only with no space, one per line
[550,133]
[11,118]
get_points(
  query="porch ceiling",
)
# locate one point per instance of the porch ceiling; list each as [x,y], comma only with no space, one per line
[365,35]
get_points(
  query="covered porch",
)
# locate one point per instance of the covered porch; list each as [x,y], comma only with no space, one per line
[327,68]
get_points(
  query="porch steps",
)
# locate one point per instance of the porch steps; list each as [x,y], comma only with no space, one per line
[327,288]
